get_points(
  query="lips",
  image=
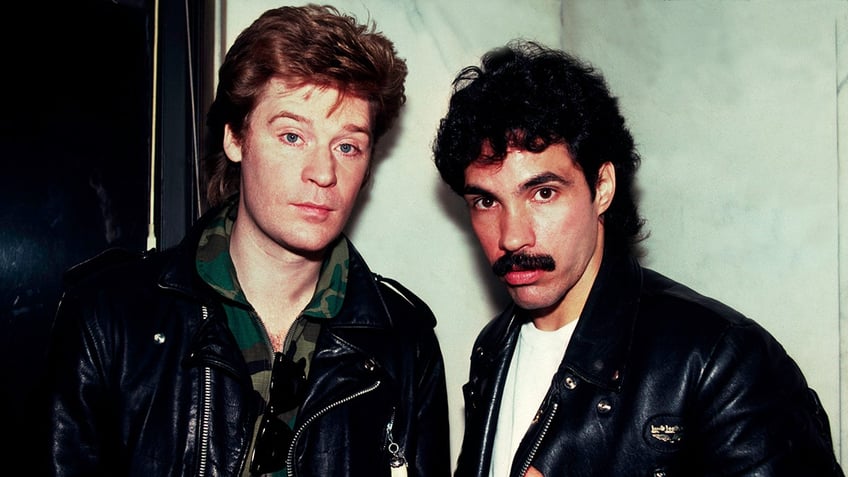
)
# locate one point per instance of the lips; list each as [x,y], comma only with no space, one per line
[314,211]
[518,277]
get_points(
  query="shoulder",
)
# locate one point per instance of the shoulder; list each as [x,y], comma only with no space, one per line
[113,269]
[401,301]
[498,331]
[105,264]
[665,297]
[674,311]
[719,347]
[105,296]
[367,288]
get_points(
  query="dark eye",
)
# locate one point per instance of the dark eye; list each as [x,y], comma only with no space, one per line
[545,193]
[483,203]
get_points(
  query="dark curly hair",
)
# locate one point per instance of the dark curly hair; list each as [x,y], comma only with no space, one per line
[312,44]
[528,96]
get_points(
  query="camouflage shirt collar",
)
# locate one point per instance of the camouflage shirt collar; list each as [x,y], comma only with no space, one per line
[215,267]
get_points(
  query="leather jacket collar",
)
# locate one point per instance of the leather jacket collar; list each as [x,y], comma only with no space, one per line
[599,349]
[180,274]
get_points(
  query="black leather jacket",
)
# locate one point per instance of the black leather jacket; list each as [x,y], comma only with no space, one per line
[657,381]
[147,380]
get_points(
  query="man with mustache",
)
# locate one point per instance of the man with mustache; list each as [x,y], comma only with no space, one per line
[600,367]
[262,344]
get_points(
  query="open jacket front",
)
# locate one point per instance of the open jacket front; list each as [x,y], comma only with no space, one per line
[143,343]
[657,380]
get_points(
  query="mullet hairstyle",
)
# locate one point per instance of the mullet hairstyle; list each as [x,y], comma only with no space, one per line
[312,44]
[527,96]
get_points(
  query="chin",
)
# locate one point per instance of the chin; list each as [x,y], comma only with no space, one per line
[532,302]
[526,303]
[309,247]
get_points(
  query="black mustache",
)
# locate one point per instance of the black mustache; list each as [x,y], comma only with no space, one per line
[523,261]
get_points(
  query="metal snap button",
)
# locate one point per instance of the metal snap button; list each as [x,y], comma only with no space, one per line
[370,365]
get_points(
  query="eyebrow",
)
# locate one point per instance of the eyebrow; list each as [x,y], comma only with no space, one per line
[351,127]
[474,190]
[290,115]
[535,181]
[544,178]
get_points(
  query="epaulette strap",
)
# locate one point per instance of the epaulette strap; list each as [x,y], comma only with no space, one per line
[401,290]
[102,261]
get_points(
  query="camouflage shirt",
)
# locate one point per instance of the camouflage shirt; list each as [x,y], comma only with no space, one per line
[216,268]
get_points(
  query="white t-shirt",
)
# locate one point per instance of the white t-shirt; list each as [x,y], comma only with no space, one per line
[537,356]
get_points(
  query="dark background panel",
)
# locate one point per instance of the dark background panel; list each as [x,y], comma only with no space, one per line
[75,136]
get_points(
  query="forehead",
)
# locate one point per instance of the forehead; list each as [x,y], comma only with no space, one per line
[312,101]
[517,165]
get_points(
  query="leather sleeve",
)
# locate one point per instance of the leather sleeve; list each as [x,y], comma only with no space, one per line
[78,406]
[755,414]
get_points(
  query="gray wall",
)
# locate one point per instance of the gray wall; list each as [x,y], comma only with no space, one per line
[736,108]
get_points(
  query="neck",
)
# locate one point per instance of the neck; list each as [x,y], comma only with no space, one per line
[569,308]
[278,283]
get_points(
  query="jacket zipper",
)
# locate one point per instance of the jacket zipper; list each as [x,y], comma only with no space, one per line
[324,410]
[538,442]
[397,461]
[204,411]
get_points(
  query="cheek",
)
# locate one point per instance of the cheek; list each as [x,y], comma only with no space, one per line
[487,234]
[261,168]
[265,179]
[576,233]
[351,180]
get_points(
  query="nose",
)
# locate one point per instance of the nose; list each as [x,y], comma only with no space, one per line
[516,230]
[320,168]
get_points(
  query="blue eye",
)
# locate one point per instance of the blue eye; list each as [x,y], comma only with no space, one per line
[347,148]
[291,137]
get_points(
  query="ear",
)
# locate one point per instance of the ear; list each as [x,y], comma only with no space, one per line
[605,187]
[232,145]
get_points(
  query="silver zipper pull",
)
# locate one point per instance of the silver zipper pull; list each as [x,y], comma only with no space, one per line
[397,463]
